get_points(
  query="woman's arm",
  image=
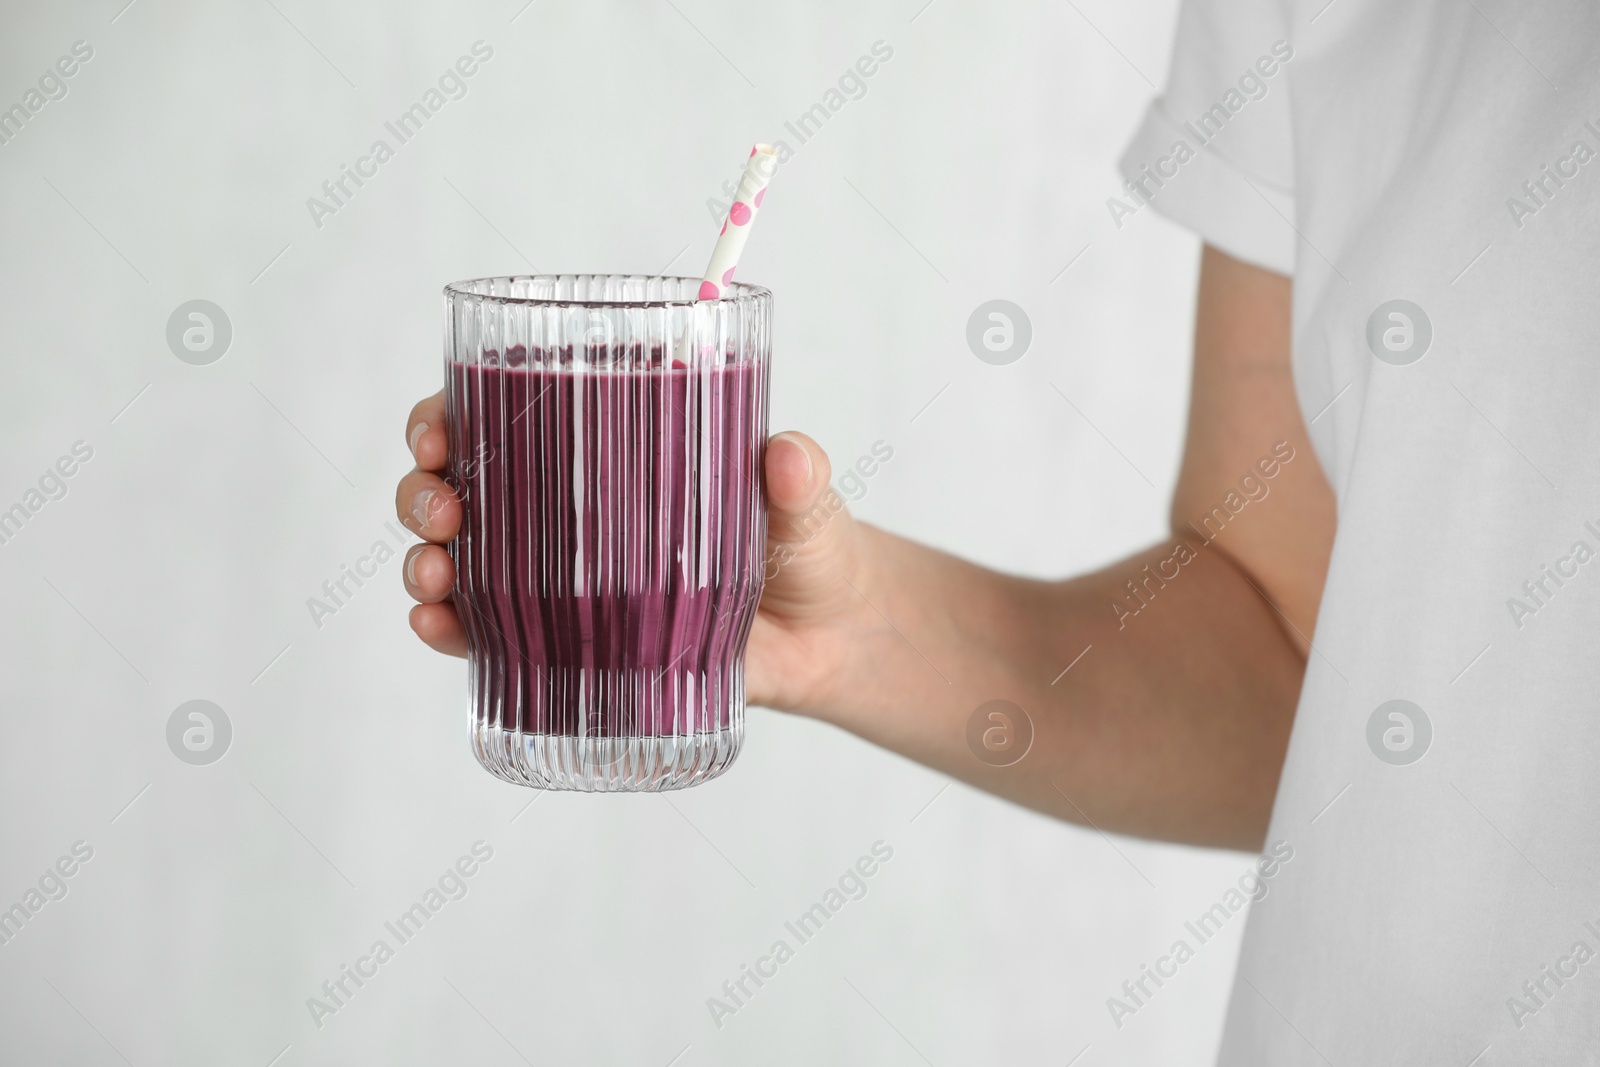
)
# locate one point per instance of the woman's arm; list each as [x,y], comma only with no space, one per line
[1172,725]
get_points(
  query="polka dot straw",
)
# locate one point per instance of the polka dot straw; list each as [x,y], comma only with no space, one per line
[752,189]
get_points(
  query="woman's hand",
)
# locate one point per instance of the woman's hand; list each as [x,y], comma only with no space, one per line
[811,609]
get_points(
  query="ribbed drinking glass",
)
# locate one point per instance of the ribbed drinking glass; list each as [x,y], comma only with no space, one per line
[606,441]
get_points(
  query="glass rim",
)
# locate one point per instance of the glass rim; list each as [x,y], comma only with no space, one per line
[733,293]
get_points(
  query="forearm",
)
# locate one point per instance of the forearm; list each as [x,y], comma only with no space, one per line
[1170,723]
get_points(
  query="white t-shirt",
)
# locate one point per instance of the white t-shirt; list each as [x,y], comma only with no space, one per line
[1429,173]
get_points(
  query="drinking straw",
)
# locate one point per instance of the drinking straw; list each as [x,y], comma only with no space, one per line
[736,230]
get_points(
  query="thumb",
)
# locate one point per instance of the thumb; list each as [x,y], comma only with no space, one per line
[811,537]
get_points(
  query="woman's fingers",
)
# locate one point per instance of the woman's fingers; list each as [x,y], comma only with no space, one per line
[425,433]
[427,506]
[439,628]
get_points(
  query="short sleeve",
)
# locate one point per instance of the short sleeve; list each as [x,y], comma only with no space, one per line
[1215,152]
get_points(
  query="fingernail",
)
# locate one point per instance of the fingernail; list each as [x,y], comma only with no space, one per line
[793,440]
[416,435]
[422,507]
[411,567]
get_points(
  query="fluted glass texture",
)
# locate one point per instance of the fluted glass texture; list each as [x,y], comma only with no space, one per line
[606,438]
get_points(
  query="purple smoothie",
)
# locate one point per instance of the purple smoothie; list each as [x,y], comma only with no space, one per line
[610,558]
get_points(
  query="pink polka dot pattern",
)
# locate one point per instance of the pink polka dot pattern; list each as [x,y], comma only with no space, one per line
[740,219]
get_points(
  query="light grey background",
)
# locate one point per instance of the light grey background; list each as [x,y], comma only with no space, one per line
[179,564]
